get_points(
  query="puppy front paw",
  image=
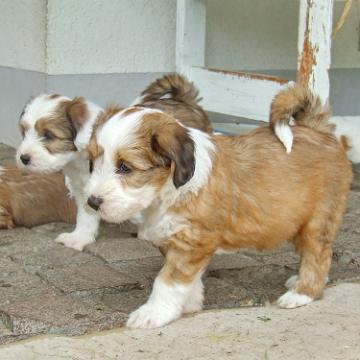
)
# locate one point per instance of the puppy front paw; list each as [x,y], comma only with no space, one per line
[291,299]
[152,315]
[74,240]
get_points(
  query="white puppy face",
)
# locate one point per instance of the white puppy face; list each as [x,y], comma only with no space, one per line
[134,156]
[49,124]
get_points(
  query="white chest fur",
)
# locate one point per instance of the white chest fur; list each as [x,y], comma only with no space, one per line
[158,226]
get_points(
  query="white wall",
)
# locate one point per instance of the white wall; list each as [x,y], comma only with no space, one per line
[138,36]
[131,36]
[105,36]
[22,29]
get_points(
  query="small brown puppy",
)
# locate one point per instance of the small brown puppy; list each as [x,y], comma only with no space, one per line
[195,194]
[28,199]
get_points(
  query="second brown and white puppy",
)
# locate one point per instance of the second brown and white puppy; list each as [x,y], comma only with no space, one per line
[195,194]
[56,131]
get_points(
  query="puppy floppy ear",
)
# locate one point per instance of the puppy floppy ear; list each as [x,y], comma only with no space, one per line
[77,112]
[176,148]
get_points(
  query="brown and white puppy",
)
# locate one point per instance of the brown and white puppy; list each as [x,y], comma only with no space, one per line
[28,199]
[194,194]
[57,129]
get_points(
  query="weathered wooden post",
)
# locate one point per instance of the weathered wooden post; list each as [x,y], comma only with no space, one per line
[314,45]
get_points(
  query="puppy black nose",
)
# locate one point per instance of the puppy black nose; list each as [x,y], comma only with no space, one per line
[95,202]
[25,159]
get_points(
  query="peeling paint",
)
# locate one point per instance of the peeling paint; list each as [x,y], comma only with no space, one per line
[314,43]
[247,75]
[307,63]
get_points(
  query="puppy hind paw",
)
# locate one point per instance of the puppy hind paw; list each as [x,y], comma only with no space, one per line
[291,299]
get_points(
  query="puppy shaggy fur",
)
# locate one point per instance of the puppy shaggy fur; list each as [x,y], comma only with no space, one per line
[294,102]
[176,96]
[193,194]
[28,199]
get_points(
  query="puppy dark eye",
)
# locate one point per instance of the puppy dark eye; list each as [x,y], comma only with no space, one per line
[48,135]
[91,166]
[123,169]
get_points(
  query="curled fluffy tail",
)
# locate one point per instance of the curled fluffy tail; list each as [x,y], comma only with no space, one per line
[304,107]
[173,86]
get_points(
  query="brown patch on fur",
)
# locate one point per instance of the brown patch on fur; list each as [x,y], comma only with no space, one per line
[23,128]
[61,132]
[60,129]
[130,111]
[162,147]
[93,149]
[77,111]
[301,104]
[144,168]
[29,199]
[54,96]
[6,218]
[183,103]
[174,145]
[345,142]
[105,116]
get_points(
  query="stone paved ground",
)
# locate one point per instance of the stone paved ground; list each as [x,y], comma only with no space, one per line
[47,288]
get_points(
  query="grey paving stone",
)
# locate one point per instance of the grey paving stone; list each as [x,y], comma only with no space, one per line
[10,236]
[57,315]
[232,261]
[16,284]
[143,270]
[250,286]
[46,253]
[87,277]
[114,230]
[121,248]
